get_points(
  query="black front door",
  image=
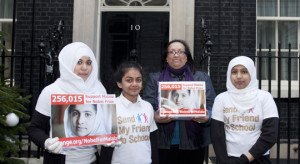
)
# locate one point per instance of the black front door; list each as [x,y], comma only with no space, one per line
[139,36]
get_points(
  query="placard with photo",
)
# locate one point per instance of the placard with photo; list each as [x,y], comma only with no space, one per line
[182,99]
[81,120]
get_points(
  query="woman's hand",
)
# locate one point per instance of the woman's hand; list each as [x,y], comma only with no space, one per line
[200,119]
[159,119]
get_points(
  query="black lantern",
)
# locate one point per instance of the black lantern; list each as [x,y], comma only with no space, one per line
[50,48]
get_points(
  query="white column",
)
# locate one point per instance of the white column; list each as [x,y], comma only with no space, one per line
[85,22]
[182,21]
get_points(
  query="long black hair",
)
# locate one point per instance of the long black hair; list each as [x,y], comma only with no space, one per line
[190,60]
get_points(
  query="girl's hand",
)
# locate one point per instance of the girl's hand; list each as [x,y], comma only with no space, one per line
[159,119]
[201,119]
[250,157]
[113,143]
[53,145]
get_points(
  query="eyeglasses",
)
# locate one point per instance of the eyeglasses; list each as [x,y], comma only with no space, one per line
[176,52]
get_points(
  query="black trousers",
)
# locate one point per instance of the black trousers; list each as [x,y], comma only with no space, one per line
[50,158]
[261,160]
[178,156]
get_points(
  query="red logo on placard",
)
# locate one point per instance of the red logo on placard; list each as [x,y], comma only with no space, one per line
[171,86]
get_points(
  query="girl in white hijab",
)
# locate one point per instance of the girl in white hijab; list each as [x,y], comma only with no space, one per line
[244,118]
[78,75]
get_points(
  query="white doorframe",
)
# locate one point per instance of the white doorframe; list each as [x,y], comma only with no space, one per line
[87,21]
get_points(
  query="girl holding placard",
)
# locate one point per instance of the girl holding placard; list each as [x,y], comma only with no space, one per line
[78,75]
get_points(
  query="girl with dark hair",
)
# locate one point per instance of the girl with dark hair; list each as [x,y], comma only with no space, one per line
[135,117]
[180,141]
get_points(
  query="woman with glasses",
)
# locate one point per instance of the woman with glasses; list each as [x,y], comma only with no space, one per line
[179,141]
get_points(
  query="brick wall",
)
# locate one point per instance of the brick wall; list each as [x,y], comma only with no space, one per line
[232,26]
[33,19]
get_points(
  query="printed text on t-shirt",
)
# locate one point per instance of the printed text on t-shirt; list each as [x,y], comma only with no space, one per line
[134,128]
[235,121]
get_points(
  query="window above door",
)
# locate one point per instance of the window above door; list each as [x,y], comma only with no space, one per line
[134,2]
[135,5]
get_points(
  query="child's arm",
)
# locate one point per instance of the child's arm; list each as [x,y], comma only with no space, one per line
[218,139]
[269,129]
[267,138]
[38,131]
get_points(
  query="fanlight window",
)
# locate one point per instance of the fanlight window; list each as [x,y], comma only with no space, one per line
[135,2]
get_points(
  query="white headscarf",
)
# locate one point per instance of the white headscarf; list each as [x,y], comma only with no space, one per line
[243,99]
[69,82]
[98,127]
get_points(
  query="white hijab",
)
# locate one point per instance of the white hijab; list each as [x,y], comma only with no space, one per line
[243,99]
[69,82]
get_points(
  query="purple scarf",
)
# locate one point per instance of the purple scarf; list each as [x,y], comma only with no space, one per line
[192,127]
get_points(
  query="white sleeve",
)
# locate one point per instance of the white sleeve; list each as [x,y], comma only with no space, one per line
[269,107]
[43,104]
[217,110]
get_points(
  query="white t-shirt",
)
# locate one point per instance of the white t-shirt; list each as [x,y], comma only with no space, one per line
[243,130]
[135,122]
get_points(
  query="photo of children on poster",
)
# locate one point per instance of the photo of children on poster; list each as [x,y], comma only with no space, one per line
[81,120]
[183,99]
